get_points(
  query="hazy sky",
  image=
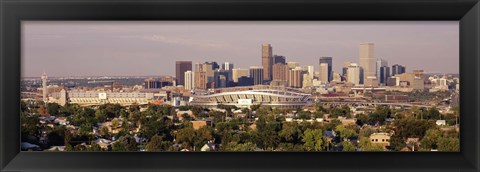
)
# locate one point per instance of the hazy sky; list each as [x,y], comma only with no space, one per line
[125,48]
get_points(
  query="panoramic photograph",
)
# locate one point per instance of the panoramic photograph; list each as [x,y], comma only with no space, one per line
[228,86]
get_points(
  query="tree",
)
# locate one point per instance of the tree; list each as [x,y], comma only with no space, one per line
[153,126]
[94,147]
[217,116]
[304,115]
[267,131]
[202,136]
[344,111]
[290,132]
[408,127]
[348,146]
[29,125]
[290,147]
[157,143]
[57,136]
[319,108]
[344,132]
[115,123]
[186,117]
[332,124]
[101,115]
[449,144]
[313,140]
[366,132]
[430,140]
[198,111]
[255,107]
[53,109]
[134,108]
[411,127]
[85,129]
[69,147]
[379,116]
[362,119]
[119,147]
[432,113]
[318,114]
[131,143]
[234,146]
[112,110]
[185,136]
[443,141]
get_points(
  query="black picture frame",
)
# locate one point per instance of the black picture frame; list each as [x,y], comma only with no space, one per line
[14,11]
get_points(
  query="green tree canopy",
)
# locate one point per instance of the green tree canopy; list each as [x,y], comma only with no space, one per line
[313,140]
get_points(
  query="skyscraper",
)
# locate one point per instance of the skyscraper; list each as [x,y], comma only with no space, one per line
[384,75]
[238,72]
[323,73]
[380,63]
[257,73]
[219,75]
[267,61]
[353,74]
[367,60]
[44,87]
[280,72]
[200,76]
[278,59]
[200,80]
[345,68]
[209,69]
[398,69]
[329,61]
[295,78]
[310,71]
[189,80]
[180,69]
[227,66]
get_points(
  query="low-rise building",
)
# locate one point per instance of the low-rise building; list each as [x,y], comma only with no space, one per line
[382,139]
[199,124]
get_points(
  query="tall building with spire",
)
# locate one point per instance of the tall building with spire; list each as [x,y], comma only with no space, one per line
[44,87]
[267,61]
[367,60]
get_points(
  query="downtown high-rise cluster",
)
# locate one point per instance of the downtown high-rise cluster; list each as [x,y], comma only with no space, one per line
[277,71]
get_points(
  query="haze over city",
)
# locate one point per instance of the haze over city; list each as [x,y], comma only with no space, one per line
[63,48]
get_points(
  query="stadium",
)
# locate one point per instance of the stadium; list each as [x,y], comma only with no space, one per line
[244,99]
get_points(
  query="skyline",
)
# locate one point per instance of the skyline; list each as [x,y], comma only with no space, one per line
[151,48]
